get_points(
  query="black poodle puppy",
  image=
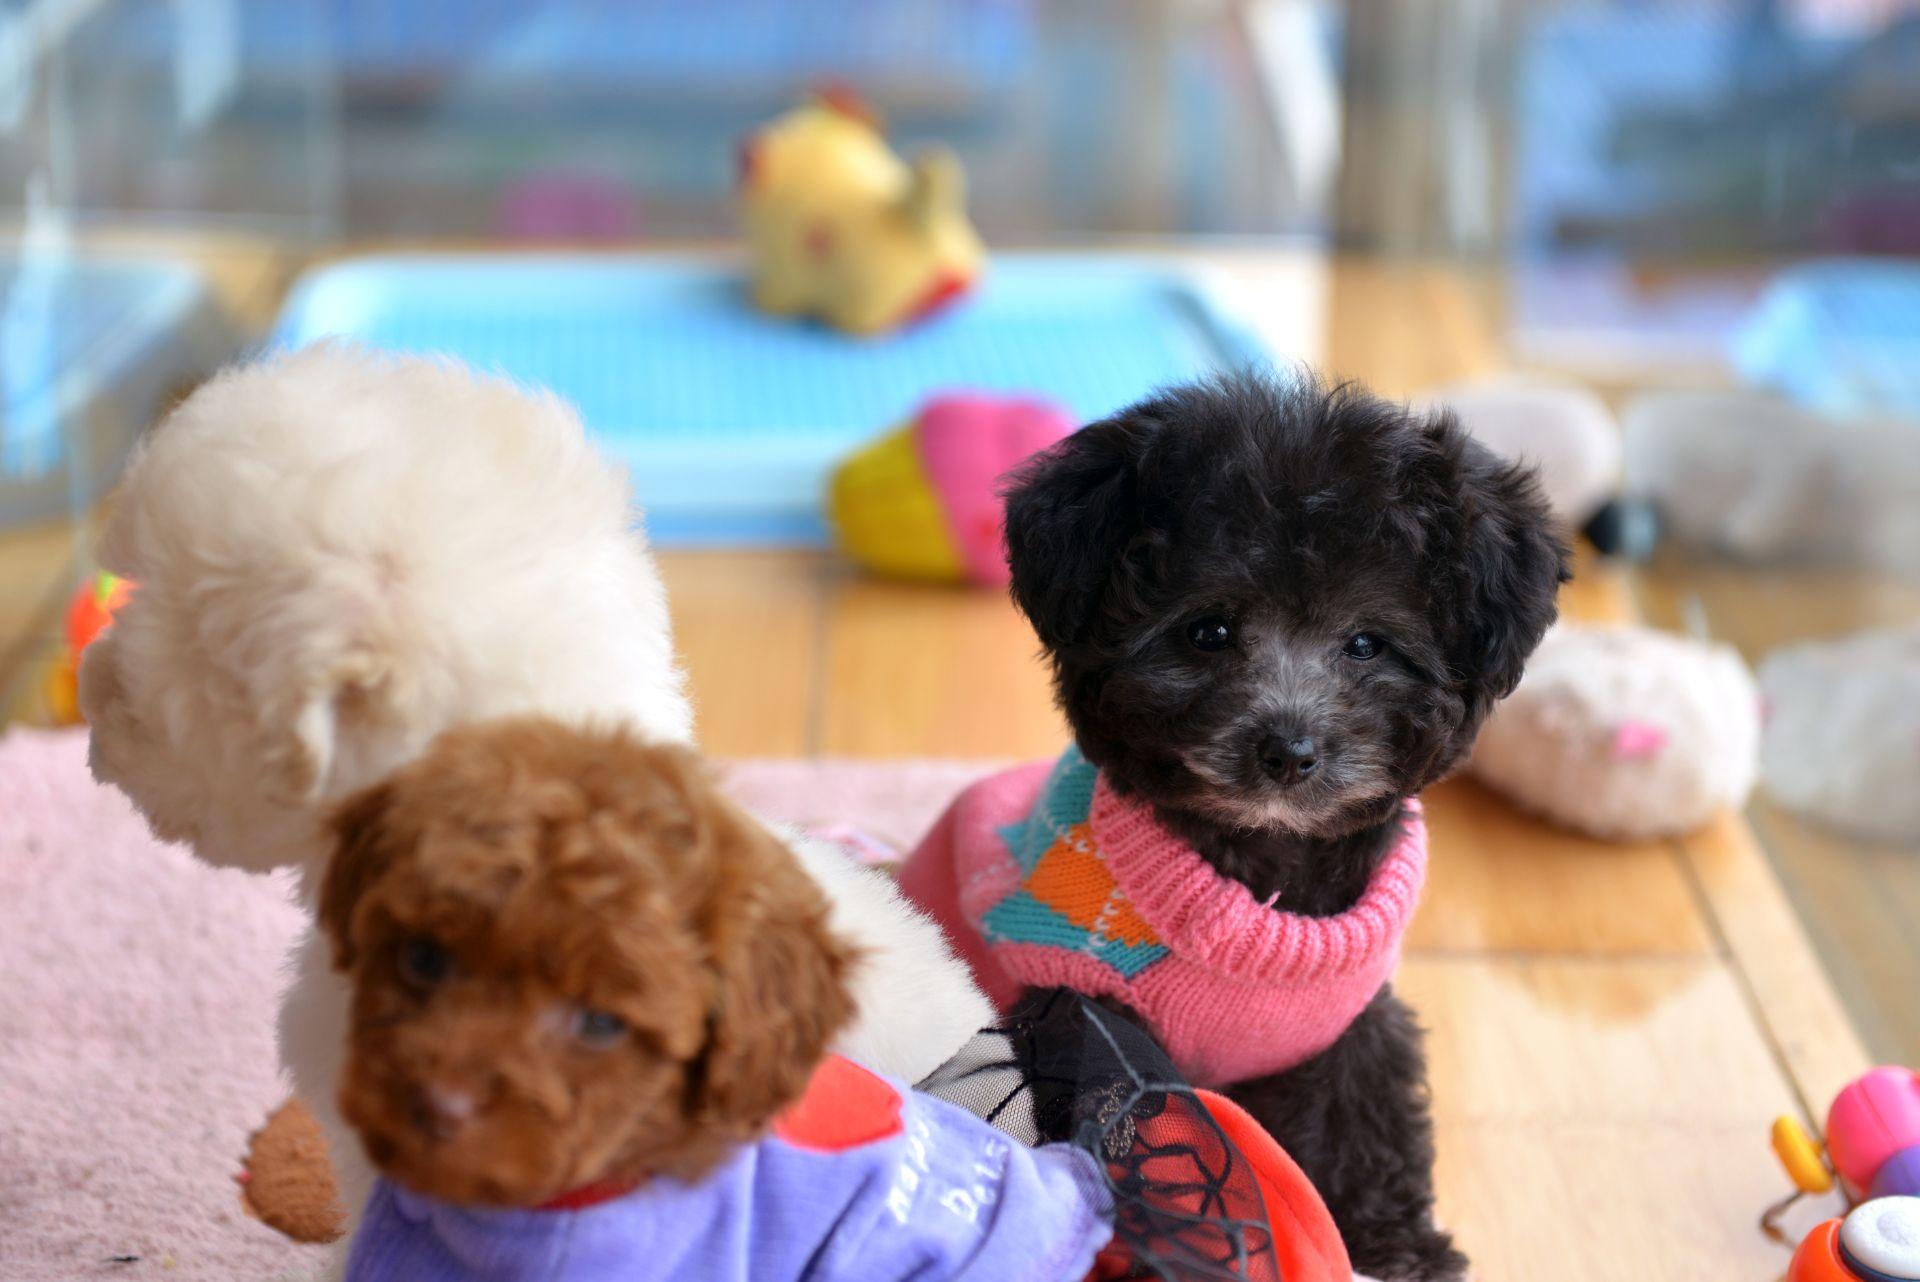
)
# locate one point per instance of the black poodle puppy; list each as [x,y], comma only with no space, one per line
[1275,611]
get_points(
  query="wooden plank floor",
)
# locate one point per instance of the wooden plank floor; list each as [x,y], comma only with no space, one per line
[1858,898]
[1613,1026]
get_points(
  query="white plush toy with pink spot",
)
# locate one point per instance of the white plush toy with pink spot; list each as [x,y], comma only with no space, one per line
[1625,733]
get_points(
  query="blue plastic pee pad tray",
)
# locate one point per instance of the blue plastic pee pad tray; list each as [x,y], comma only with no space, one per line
[1841,336]
[730,420]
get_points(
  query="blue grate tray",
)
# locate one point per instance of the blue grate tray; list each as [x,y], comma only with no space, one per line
[1841,336]
[730,420]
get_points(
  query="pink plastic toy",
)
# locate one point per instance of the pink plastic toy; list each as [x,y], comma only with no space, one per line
[923,501]
[1873,1130]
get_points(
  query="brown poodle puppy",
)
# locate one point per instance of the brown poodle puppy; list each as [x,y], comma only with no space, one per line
[574,962]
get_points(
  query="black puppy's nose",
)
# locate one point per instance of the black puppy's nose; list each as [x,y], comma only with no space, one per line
[1289,759]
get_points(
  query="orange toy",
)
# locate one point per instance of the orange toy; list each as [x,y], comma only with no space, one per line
[88,614]
[841,228]
[1879,1241]
[1307,1246]
[1818,1259]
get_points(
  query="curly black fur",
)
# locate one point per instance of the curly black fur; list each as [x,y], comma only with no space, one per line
[1202,568]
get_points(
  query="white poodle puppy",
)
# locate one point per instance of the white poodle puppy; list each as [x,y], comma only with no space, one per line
[337,555]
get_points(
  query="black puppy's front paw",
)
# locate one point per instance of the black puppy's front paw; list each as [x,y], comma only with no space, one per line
[1405,1253]
[1356,1119]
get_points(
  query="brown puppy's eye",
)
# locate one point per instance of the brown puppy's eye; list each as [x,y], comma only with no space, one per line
[599,1029]
[1364,645]
[424,963]
[1210,634]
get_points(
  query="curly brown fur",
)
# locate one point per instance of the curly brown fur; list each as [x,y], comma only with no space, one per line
[573,961]
[1275,611]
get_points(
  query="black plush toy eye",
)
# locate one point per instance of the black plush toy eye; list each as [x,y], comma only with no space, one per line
[1363,645]
[424,963]
[599,1029]
[1210,634]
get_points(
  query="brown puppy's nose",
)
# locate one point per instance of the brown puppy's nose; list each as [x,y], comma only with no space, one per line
[1289,759]
[441,1109]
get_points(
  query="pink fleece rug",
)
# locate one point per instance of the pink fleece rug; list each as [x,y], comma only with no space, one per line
[137,995]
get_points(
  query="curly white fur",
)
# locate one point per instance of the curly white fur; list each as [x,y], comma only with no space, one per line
[338,555]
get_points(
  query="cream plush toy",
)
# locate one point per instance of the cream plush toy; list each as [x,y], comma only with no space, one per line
[1625,733]
[841,228]
[1756,479]
[1568,433]
[1842,743]
[1562,428]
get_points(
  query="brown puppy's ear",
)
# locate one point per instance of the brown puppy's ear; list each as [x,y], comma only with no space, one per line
[781,992]
[360,854]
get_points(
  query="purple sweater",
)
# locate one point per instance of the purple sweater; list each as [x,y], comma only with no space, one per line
[939,1196]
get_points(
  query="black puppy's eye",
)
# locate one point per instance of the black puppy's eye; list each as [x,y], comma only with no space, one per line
[1364,645]
[1210,634]
[424,963]
[599,1029]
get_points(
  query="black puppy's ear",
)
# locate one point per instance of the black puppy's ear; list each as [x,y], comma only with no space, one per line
[1509,565]
[1071,512]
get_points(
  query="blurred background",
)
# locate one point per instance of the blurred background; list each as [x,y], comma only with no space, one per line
[1706,211]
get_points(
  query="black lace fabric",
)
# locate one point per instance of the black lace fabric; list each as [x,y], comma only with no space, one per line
[1060,1068]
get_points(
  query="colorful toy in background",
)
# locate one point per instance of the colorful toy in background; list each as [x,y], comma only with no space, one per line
[1873,1140]
[1625,733]
[841,228]
[1876,1242]
[88,614]
[923,501]
[1873,1152]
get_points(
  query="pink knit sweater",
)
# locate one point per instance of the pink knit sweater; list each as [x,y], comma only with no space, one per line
[1042,877]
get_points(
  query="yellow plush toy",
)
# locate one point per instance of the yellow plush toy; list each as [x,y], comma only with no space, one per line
[841,228]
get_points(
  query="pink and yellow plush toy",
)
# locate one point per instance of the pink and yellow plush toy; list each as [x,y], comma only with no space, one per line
[923,501]
[841,228]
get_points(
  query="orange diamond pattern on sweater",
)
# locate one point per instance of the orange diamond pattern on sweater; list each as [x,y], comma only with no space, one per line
[1072,880]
